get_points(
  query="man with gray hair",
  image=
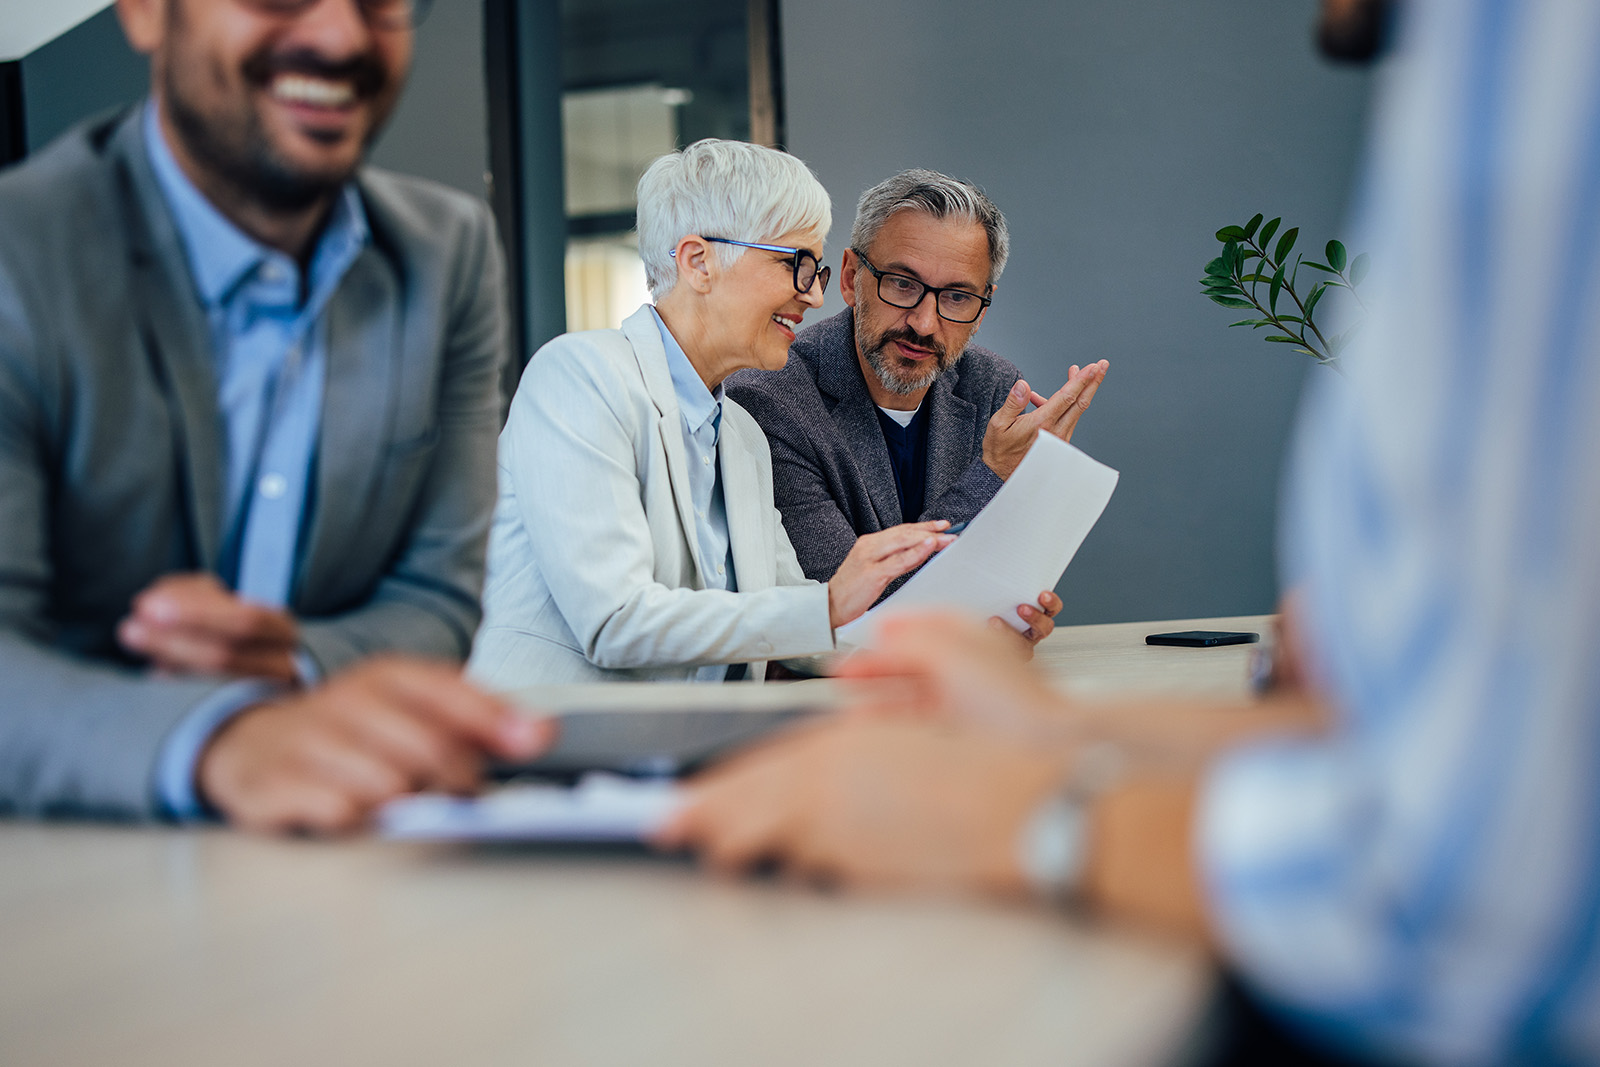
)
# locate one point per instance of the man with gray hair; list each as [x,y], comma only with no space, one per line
[886,412]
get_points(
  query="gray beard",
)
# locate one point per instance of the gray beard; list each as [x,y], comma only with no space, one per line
[893,382]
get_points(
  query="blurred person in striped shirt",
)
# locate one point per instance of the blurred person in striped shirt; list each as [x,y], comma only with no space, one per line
[1400,861]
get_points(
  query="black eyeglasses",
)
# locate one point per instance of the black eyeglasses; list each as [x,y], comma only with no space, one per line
[385,14]
[806,268]
[897,290]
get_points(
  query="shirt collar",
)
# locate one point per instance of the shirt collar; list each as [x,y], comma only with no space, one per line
[221,256]
[697,403]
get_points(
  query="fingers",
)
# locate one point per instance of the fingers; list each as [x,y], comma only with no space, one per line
[1015,401]
[191,624]
[884,543]
[184,651]
[324,760]
[198,602]
[438,695]
[1060,416]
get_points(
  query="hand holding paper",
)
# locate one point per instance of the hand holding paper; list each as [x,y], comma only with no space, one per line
[1019,544]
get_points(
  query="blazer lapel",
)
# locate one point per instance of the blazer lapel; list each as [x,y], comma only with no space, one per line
[950,420]
[856,417]
[749,518]
[365,371]
[176,339]
[641,332]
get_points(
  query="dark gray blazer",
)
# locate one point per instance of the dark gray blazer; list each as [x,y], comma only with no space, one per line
[831,476]
[111,453]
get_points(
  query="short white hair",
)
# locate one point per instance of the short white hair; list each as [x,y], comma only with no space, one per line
[713,188]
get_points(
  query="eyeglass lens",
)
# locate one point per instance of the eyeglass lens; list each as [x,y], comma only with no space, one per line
[393,14]
[953,305]
[806,272]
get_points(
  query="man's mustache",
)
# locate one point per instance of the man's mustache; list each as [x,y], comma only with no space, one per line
[912,337]
[366,73]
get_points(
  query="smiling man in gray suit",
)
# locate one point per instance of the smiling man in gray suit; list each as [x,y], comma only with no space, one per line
[887,412]
[248,406]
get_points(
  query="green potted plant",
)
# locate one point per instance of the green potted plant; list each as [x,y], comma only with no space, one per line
[1253,273]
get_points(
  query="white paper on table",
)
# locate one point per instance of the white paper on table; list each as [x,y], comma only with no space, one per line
[600,808]
[1014,549]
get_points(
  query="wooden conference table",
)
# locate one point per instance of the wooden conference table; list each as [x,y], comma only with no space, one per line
[174,948]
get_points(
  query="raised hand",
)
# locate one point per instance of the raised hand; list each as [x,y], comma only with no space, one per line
[1012,430]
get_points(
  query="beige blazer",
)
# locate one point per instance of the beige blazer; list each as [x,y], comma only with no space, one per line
[594,568]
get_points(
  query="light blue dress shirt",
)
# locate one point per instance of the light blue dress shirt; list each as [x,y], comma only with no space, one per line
[1423,882]
[269,344]
[702,421]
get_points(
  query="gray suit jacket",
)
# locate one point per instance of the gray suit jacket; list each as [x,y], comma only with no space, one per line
[111,453]
[830,466]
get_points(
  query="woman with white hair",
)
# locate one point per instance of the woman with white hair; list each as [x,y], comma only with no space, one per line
[635,536]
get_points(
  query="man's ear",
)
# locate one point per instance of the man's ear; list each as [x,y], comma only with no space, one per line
[697,267]
[847,276]
[144,23]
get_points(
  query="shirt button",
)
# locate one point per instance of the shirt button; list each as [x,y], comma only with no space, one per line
[706,460]
[722,569]
[273,486]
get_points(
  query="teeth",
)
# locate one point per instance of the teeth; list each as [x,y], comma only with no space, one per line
[300,89]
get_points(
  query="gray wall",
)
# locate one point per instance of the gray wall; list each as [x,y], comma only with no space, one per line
[1117,135]
[440,130]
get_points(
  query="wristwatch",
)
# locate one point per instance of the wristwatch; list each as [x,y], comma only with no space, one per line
[1053,846]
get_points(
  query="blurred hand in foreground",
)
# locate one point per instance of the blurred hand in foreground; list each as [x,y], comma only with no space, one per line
[323,760]
[872,802]
[193,624]
[961,673]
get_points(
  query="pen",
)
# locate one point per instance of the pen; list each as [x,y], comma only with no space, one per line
[957,528]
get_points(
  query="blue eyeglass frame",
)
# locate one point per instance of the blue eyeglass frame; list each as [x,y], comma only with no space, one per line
[822,272]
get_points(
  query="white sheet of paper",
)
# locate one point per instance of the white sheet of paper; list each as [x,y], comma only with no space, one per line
[1014,549]
[600,808]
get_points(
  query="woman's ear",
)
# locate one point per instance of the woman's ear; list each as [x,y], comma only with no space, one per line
[697,267]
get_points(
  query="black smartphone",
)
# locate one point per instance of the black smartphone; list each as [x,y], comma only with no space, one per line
[1203,638]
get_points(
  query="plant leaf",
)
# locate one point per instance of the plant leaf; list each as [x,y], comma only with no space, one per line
[1316,294]
[1277,285]
[1265,240]
[1321,267]
[1358,269]
[1285,243]
[1336,255]
[1250,322]
[1250,227]
[1282,340]
[1256,278]
[1231,233]
[1218,267]
[1230,301]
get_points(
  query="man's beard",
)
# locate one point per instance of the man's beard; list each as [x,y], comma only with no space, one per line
[238,150]
[890,368]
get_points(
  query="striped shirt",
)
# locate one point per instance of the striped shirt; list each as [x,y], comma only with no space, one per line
[1425,881]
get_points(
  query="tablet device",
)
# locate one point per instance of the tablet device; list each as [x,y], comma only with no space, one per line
[661,729]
